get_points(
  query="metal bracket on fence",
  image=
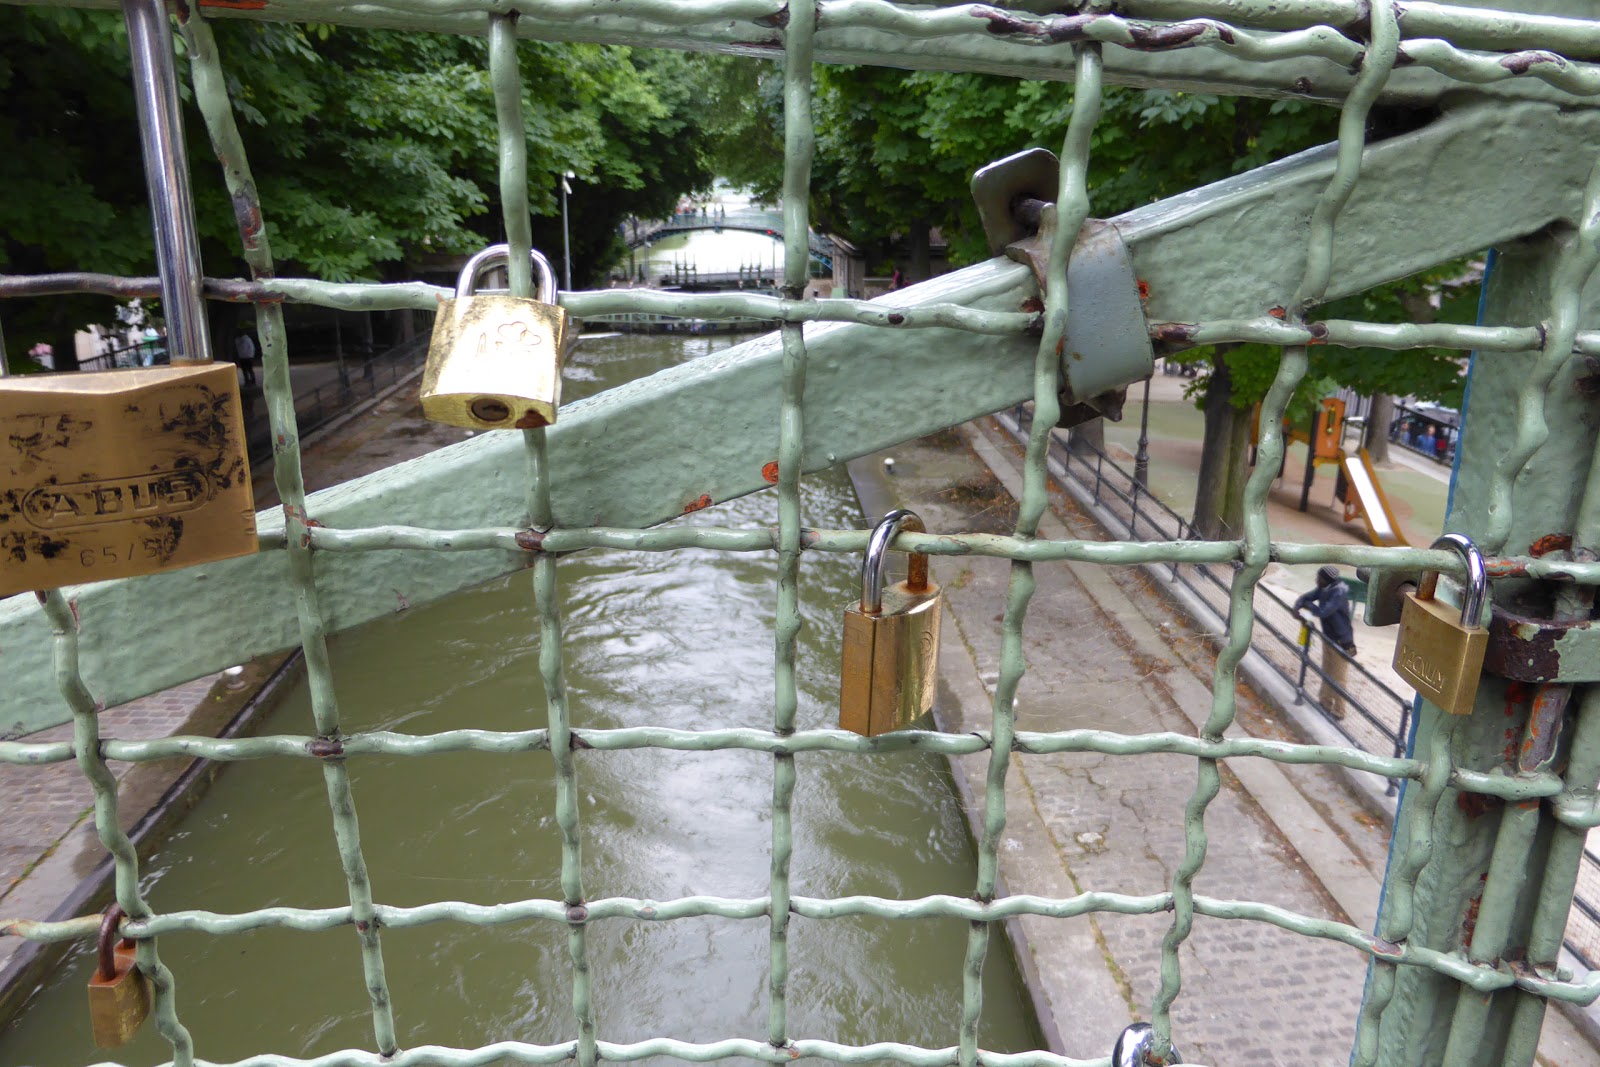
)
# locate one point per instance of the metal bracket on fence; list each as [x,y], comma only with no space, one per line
[1386,587]
[1107,342]
[1528,649]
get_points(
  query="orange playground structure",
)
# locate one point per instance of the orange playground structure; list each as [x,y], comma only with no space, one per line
[1357,486]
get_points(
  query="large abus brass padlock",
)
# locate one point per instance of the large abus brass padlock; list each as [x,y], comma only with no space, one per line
[1439,650]
[119,996]
[891,640]
[494,362]
[112,474]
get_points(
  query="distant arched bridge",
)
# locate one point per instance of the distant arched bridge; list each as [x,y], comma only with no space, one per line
[638,232]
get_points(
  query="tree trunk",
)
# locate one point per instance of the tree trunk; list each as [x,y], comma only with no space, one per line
[1238,474]
[1086,437]
[63,342]
[1219,489]
[920,266]
[1376,438]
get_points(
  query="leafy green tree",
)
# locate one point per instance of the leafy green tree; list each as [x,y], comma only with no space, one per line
[895,151]
[371,151]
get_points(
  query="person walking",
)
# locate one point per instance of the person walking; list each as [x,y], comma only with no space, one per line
[1330,602]
[244,354]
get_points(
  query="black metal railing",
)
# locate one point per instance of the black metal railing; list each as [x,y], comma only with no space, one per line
[320,404]
[1377,716]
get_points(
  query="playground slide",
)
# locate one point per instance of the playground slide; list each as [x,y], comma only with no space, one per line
[1370,501]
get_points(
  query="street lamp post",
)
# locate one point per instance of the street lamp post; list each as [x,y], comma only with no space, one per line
[1141,458]
[566,232]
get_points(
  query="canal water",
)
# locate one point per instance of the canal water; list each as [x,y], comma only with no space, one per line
[677,639]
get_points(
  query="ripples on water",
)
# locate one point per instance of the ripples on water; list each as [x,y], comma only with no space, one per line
[680,639]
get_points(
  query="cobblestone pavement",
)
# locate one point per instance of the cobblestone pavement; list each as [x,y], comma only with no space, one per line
[1105,651]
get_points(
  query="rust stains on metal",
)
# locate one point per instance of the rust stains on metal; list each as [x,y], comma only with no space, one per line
[577,913]
[1175,333]
[897,319]
[1003,23]
[329,748]
[1522,62]
[530,540]
[1556,542]
[1318,332]
[1587,384]
[778,20]
[247,212]
[1544,727]
[1469,922]
[579,743]
[1476,805]
[1144,290]
[1278,312]
[531,420]
[770,473]
[1177,35]
[1034,304]
[1529,649]
[1074,28]
[1388,950]
[704,502]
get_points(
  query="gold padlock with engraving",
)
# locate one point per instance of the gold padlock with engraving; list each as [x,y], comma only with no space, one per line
[119,994]
[494,362]
[113,474]
[891,640]
[1440,650]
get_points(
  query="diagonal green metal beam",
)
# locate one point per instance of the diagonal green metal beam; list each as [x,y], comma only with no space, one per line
[644,453]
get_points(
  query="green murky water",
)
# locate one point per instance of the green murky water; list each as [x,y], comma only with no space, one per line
[681,639]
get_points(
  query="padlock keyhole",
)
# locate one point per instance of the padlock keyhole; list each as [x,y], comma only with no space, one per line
[488,409]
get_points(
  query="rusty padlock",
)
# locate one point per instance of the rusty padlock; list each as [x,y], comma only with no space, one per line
[119,994]
[891,640]
[494,361]
[1439,650]
[113,474]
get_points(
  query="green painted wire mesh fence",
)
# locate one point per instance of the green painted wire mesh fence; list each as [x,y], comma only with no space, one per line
[1371,40]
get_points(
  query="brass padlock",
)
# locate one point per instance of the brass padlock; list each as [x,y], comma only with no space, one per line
[119,994]
[494,362]
[891,640]
[1439,650]
[112,474]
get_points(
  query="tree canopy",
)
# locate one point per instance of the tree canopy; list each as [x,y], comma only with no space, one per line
[896,150]
[370,149]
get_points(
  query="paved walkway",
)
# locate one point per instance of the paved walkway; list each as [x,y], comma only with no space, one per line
[1106,651]
[1417,488]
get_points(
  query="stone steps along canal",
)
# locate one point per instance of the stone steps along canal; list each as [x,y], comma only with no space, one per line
[680,639]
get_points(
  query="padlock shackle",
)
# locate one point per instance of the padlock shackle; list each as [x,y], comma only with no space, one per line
[1477,587]
[1134,1046]
[872,567]
[106,943]
[500,256]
